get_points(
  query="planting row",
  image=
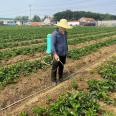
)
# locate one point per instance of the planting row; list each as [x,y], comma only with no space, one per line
[82,103]
[89,38]
[77,53]
[22,51]
[23,33]
[70,36]
[22,43]
[100,88]
[89,33]
[5,54]
[10,72]
[70,41]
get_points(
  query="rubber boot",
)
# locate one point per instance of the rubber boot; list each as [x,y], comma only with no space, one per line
[53,76]
[60,75]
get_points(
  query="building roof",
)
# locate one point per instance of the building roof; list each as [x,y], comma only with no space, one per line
[74,21]
[37,23]
[84,19]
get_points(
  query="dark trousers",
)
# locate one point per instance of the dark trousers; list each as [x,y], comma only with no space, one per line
[57,66]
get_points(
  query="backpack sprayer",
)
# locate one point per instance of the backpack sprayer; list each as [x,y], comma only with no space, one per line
[49,47]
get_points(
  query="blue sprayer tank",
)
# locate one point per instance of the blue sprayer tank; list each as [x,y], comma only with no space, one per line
[49,44]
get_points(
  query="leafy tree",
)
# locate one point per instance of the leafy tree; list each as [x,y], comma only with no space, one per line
[22,18]
[75,15]
[36,19]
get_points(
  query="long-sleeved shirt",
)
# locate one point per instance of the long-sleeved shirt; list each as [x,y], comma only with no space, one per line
[59,43]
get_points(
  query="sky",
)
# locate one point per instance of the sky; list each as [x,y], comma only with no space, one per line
[13,8]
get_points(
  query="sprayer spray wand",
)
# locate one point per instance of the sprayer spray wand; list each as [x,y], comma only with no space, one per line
[60,62]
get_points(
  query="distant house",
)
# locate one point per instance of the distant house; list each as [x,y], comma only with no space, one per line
[107,23]
[11,22]
[27,23]
[87,21]
[37,23]
[19,23]
[48,21]
[53,21]
[7,21]
[74,23]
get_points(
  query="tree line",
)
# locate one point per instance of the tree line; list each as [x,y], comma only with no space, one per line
[35,18]
[70,15]
[75,15]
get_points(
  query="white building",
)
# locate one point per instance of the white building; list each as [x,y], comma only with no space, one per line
[73,23]
[106,23]
[84,21]
[18,23]
[47,21]
[8,21]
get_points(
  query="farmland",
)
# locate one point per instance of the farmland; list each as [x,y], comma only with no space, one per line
[24,71]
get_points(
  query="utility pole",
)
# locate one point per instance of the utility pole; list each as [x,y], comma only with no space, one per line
[30,10]
[73,15]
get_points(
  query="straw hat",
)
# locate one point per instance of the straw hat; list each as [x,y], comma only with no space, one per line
[63,23]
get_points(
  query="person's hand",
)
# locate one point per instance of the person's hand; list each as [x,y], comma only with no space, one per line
[56,57]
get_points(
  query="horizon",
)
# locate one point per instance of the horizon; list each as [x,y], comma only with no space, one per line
[56,12]
[15,8]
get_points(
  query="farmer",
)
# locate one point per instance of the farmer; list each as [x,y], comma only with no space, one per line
[59,49]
